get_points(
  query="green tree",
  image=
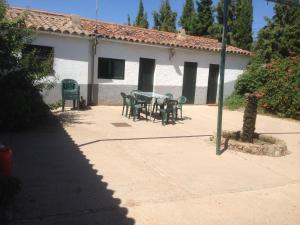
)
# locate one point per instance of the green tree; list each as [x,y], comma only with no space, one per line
[22,78]
[141,19]
[280,37]
[216,29]
[242,27]
[204,18]
[187,19]
[165,18]
[274,68]
[128,20]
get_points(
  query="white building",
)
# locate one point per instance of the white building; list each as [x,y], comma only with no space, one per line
[106,59]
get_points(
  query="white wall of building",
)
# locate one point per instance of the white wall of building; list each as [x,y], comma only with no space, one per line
[71,61]
[168,72]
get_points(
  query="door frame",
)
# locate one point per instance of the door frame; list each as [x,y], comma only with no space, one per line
[139,75]
[210,71]
[195,81]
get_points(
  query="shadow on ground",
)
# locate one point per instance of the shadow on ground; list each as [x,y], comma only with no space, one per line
[59,185]
[68,118]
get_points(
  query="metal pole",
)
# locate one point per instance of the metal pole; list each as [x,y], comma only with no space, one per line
[221,84]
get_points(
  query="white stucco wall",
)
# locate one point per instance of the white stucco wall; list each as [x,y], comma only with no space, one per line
[71,61]
[167,72]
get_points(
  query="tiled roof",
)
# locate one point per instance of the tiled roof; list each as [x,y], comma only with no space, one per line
[59,23]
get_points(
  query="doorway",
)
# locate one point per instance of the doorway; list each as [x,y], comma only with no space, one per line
[146,74]
[212,84]
[189,81]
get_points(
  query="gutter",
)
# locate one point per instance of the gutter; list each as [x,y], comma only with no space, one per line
[167,47]
[93,52]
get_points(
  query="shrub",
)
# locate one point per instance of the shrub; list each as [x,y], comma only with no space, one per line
[56,105]
[278,82]
[281,94]
[21,103]
[22,76]
[234,102]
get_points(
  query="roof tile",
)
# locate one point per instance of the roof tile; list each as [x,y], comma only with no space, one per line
[47,21]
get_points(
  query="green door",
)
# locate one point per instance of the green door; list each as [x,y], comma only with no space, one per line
[189,81]
[212,84]
[146,74]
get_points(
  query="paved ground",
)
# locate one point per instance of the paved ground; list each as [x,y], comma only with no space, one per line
[91,172]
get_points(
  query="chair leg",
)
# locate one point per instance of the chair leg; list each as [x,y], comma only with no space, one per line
[173,117]
[134,114]
[163,121]
[73,104]
[126,111]
[154,112]
[146,111]
[138,111]
[123,109]
[63,105]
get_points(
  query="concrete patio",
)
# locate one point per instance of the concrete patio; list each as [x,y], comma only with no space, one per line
[89,171]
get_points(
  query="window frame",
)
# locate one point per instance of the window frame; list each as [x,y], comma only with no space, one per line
[109,73]
[31,47]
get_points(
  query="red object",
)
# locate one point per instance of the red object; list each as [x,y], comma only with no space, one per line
[5,161]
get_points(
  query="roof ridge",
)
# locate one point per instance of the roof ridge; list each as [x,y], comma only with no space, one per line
[39,11]
[120,32]
[147,29]
[111,23]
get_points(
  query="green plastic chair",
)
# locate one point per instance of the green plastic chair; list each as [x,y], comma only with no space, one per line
[181,101]
[126,103]
[160,103]
[170,110]
[142,100]
[70,90]
[135,109]
[169,95]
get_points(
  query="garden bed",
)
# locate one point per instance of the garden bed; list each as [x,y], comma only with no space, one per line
[262,144]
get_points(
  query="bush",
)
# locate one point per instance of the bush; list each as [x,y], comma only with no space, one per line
[234,102]
[279,84]
[281,94]
[21,103]
[56,105]
[22,76]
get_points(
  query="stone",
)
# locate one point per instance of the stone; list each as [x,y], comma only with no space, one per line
[263,144]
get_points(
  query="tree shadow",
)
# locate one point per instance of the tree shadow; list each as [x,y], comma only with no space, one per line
[67,118]
[59,185]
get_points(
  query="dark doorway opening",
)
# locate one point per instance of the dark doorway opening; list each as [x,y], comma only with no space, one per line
[146,74]
[189,81]
[212,84]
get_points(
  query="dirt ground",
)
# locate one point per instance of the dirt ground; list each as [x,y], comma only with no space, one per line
[87,170]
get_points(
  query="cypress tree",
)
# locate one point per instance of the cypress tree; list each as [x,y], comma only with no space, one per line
[204,19]
[141,19]
[165,18]
[242,27]
[128,20]
[187,19]
[216,29]
[280,37]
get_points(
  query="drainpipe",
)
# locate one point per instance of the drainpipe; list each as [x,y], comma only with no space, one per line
[93,52]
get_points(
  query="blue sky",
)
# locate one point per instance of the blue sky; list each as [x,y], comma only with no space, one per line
[117,10]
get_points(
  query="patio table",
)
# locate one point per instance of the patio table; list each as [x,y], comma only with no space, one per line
[151,95]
